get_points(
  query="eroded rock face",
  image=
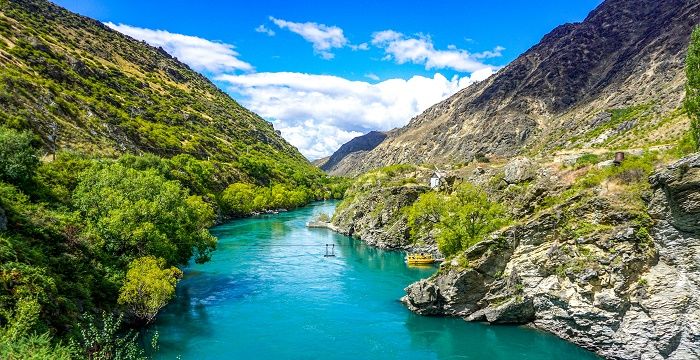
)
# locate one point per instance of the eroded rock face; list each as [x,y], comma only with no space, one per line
[630,291]
[377,218]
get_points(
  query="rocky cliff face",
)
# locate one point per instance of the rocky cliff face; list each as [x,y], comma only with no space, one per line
[612,80]
[592,269]
[377,218]
[374,208]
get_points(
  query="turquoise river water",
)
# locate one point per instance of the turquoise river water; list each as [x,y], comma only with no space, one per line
[263,296]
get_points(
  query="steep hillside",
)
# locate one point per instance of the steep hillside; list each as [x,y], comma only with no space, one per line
[109,94]
[611,81]
[148,156]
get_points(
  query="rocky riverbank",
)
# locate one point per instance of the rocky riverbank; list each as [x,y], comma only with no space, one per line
[605,259]
[626,287]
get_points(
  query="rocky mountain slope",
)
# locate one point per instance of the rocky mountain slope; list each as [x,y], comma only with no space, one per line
[105,93]
[612,81]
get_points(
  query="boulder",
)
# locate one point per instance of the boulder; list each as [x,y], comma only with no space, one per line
[519,170]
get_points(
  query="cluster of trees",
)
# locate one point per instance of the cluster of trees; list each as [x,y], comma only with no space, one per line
[242,199]
[458,220]
[81,235]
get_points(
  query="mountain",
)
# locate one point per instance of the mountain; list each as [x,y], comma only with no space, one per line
[108,94]
[611,81]
[356,147]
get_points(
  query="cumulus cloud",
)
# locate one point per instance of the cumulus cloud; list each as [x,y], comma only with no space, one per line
[360,47]
[323,37]
[420,49]
[315,113]
[318,113]
[200,54]
[265,30]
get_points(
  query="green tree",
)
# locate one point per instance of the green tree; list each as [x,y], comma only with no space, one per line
[18,159]
[238,199]
[134,213]
[469,217]
[426,213]
[148,287]
[692,88]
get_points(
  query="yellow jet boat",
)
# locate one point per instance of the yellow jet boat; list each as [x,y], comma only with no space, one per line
[420,259]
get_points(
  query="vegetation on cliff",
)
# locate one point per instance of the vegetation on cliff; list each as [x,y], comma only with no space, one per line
[461,218]
[692,88]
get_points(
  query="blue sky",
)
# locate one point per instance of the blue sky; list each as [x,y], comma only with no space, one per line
[325,71]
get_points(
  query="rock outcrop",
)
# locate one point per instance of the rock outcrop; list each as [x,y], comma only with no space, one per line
[591,270]
[377,216]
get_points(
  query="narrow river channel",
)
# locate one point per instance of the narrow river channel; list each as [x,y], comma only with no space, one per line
[269,293]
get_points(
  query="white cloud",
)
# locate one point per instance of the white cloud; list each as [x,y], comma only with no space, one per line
[360,47]
[265,30]
[323,37]
[318,113]
[200,54]
[421,50]
[315,113]
[496,52]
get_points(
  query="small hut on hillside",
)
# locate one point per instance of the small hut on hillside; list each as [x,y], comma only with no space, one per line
[437,179]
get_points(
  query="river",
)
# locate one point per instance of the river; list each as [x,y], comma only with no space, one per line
[269,293]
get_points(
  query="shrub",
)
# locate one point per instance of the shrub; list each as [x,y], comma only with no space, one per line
[323,217]
[104,339]
[18,159]
[586,160]
[34,347]
[148,287]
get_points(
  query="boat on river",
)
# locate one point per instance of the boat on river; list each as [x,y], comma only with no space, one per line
[420,259]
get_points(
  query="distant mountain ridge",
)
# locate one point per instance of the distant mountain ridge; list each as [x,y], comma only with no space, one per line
[354,147]
[613,80]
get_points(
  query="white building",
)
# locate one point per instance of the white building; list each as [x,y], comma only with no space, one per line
[437,179]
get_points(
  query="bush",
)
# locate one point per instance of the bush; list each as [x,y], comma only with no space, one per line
[34,347]
[323,217]
[586,160]
[104,339]
[148,287]
[18,159]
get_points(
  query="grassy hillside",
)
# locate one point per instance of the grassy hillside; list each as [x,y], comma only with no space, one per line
[110,94]
[148,155]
